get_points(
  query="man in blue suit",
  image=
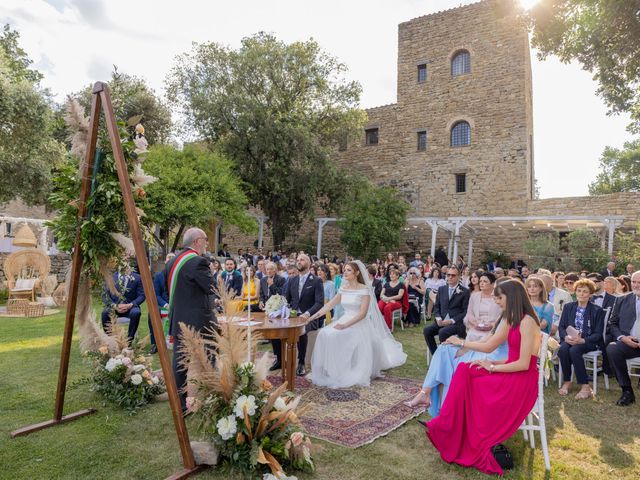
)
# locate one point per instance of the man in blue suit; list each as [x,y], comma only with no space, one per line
[162,297]
[125,302]
[625,330]
[232,277]
[449,310]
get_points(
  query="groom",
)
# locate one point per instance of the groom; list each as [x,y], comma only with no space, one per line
[305,294]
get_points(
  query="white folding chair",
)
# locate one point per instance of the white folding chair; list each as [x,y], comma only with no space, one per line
[535,421]
[633,364]
[397,315]
[591,361]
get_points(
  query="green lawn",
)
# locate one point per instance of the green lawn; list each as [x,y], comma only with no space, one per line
[587,439]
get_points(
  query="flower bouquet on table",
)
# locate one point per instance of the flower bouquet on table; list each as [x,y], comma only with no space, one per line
[124,378]
[254,427]
[277,307]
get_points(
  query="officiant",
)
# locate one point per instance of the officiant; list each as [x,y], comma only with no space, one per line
[305,295]
[190,283]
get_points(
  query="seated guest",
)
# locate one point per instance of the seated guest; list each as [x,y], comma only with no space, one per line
[391,296]
[558,298]
[539,300]
[498,272]
[224,252]
[570,280]
[433,283]
[558,279]
[329,287]
[609,270]
[416,290]
[125,302]
[611,285]
[160,288]
[250,295]
[270,284]
[376,283]
[443,365]
[625,282]
[381,272]
[600,297]
[585,317]
[450,309]
[482,312]
[625,329]
[231,277]
[630,269]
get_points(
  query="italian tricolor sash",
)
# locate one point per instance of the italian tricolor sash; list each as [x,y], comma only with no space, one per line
[183,258]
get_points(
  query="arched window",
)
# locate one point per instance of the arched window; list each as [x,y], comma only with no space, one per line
[460,134]
[460,63]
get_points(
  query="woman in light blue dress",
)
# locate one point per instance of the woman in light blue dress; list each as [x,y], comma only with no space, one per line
[538,295]
[447,358]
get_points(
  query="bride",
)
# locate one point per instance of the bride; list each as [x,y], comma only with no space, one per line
[357,346]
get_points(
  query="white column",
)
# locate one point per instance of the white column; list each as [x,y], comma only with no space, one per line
[321,223]
[456,238]
[470,255]
[449,250]
[434,233]
[261,220]
[43,239]
[612,230]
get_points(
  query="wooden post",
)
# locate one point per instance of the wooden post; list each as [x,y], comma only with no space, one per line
[102,101]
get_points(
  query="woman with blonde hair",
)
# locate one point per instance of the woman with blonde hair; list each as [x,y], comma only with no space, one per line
[539,299]
[612,286]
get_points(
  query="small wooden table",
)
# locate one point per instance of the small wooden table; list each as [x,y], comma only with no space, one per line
[288,332]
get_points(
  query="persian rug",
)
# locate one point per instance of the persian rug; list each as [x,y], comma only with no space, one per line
[353,417]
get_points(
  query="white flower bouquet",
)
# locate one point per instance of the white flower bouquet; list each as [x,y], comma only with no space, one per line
[125,379]
[276,307]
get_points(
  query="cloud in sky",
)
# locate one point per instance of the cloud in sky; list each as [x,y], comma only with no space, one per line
[76,42]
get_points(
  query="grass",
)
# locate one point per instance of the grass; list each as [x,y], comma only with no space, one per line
[587,440]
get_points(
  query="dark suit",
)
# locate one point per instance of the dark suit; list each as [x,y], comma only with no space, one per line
[276,288]
[456,308]
[311,300]
[162,297]
[621,323]
[591,332]
[191,305]
[605,273]
[130,290]
[608,301]
[233,281]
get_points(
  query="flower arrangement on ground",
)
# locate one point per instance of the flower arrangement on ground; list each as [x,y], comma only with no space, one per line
[124,378]
[255,427]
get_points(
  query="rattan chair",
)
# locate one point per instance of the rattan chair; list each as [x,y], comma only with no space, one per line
[25,270]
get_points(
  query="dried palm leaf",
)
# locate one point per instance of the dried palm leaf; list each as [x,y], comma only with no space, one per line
[125,242]
[107,276]
[266,409]
[118,334]
[196,360]
[261,368]
[78,126]
[140,178]
[92,336]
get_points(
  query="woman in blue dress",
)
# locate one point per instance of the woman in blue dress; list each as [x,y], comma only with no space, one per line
[539,299]
[447,358]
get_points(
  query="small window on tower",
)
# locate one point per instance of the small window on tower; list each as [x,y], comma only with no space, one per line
[422,140]
[371,136]
[422,73]
[461,182]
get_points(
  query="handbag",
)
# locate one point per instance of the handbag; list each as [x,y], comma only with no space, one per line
[503,456]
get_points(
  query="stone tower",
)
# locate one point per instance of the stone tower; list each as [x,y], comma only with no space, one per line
[458,142]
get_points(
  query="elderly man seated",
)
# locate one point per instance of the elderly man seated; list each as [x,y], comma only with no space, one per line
[625,329]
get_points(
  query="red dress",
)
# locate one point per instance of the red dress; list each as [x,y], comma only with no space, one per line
[483,409]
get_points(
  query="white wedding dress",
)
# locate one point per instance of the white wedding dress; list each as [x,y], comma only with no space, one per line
[355,355]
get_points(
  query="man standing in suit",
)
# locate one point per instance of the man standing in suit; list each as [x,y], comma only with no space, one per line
[190,284]
[270,284]
[625,329]
[162,297]
[305,294]
[450,308]
[232,277]
[609,271]
[125,302]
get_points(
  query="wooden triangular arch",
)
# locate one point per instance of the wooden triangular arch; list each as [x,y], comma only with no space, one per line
[101,101]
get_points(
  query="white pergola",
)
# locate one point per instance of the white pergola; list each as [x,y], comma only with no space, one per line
[455,225]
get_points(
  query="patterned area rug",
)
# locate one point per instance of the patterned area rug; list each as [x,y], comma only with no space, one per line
[355,416]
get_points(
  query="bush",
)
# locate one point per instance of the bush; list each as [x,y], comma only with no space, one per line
[586,249]
[489,256]
[543,251]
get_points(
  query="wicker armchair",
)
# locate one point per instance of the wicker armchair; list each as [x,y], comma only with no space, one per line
[25,271]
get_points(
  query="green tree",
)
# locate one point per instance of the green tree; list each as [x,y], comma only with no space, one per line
[629,247]
[133,98]
[193,186]
[586,249]
[603,36]
[543,250]
[371,220]
[619,170]
[28,151]
[278,110]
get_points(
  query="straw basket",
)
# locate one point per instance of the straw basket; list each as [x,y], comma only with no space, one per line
[34,309]
[17,306]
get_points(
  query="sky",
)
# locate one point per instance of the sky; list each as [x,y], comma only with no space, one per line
[76,42]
